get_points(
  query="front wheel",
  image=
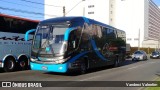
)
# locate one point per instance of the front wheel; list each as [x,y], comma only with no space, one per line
[9,64]
[83,68]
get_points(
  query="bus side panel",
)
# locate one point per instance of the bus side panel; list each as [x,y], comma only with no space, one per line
[101,56]
[13,44]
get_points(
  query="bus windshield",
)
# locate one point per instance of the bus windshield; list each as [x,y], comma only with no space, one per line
[49,39]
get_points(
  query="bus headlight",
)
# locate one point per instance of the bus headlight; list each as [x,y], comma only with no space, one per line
[59,61]
[62,60]
[33,59]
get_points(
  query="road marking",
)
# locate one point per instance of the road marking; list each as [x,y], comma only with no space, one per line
[90,78]
[141,88]
[155,78]
[86,79]
[140,65]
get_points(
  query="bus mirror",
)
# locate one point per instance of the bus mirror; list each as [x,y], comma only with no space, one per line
[27,33]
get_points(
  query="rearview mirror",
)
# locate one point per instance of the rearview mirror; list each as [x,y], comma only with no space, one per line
[28,32]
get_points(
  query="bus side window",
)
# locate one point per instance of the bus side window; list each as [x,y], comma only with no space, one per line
[73,40]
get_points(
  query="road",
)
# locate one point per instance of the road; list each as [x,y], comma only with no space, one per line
[129,71]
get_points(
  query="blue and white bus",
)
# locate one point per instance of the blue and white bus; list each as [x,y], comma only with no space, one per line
[66,44]
[14,50]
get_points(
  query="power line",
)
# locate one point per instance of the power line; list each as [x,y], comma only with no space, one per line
[74,7]
[19,4]
[40,3]
[28,12]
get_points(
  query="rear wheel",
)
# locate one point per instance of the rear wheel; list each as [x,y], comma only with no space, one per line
[23,63]
[117,62]
[9,64]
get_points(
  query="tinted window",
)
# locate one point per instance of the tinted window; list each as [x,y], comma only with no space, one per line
[74,39]
[97,30]
[16,25]
[138,52]
[110,33]
[154,53]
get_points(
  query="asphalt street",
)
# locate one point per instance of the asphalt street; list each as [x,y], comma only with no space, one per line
[128,71]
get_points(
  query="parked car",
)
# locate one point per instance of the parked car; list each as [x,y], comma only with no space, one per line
[155,54]
[139,55]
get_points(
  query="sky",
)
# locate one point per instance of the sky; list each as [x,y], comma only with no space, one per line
[31,9]
[23,8]
[156,2]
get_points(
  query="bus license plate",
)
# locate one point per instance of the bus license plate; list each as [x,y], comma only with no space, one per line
[44,68]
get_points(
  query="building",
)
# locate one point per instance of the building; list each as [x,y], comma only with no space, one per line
[89,8]
[139,18]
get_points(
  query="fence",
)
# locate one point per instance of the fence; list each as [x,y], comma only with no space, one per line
[147,50]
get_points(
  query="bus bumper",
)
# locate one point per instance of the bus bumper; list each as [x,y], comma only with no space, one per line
[62,68]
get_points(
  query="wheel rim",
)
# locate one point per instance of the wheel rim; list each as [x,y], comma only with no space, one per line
[117,62]
[10,64]
[22,64]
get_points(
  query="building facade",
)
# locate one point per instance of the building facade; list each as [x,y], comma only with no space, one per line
[140,19]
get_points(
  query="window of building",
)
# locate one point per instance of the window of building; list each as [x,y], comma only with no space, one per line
[136,39]
[129,39]
[111,12]
[111,5]
[90,6]
[111,19]
[90,12]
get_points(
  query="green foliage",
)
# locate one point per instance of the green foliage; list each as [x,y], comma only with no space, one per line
[152,88]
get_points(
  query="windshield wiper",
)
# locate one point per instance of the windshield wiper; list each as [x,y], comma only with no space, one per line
[47,45]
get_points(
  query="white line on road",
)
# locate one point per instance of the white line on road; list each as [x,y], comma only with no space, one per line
[86,79]
[140,65]
[90,78]
[142,88]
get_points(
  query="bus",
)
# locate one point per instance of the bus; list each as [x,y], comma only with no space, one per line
[76,44]
[14,50]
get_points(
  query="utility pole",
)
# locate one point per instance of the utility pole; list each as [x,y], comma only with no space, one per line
[83,11]
[64,11]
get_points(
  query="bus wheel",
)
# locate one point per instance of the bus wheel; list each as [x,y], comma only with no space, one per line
[9,64]
[23,63]
[83,68]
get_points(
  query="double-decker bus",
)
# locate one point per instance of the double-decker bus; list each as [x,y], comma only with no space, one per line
[14,50]
[67,44]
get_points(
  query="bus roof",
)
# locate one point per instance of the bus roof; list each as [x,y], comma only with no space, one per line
[15,17]
[79,19]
